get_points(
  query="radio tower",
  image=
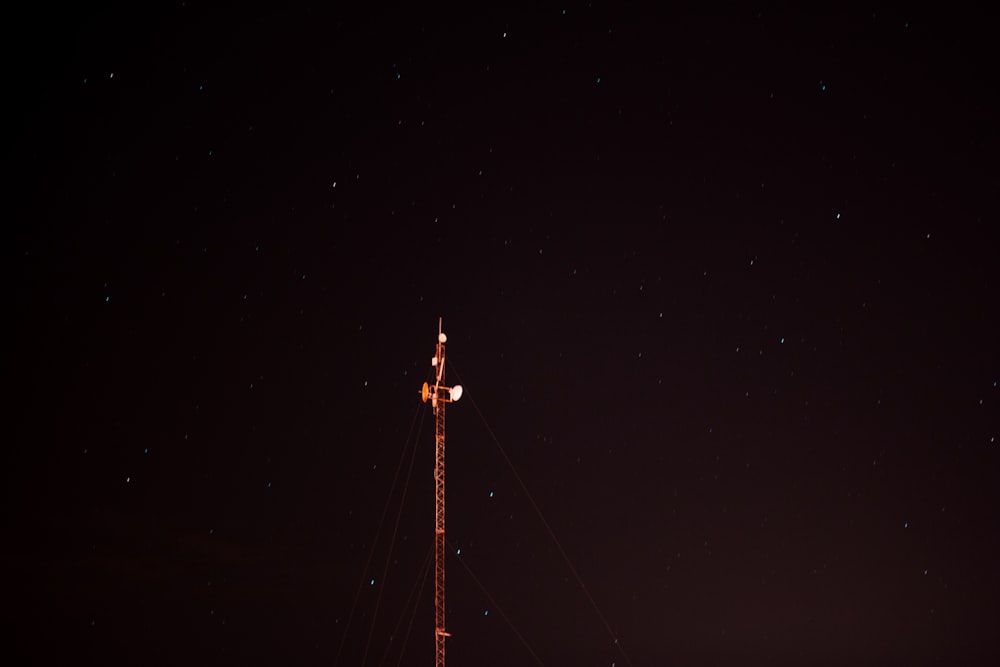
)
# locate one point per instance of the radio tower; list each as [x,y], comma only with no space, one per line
[439,395]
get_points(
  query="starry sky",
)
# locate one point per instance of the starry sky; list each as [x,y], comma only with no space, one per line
[720,286]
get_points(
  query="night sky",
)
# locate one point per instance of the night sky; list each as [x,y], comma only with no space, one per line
[722,288]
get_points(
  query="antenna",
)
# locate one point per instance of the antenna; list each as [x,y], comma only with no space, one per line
[439,395]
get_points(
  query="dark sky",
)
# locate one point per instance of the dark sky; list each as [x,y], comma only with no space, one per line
[723,287]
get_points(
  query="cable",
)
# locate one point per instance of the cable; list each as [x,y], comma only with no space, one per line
[496,605]
[414,597]
[409,628]
[545,523]
[357,595]
[392,542]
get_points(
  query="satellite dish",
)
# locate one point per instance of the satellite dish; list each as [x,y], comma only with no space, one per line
[456,392]
[423,393]
[442,338]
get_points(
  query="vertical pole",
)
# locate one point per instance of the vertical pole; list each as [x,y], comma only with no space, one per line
[439,395]
[439,540]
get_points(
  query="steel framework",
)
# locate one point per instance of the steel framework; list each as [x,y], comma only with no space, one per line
[439,395]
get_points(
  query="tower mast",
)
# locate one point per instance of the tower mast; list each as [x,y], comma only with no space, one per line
[439,395]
